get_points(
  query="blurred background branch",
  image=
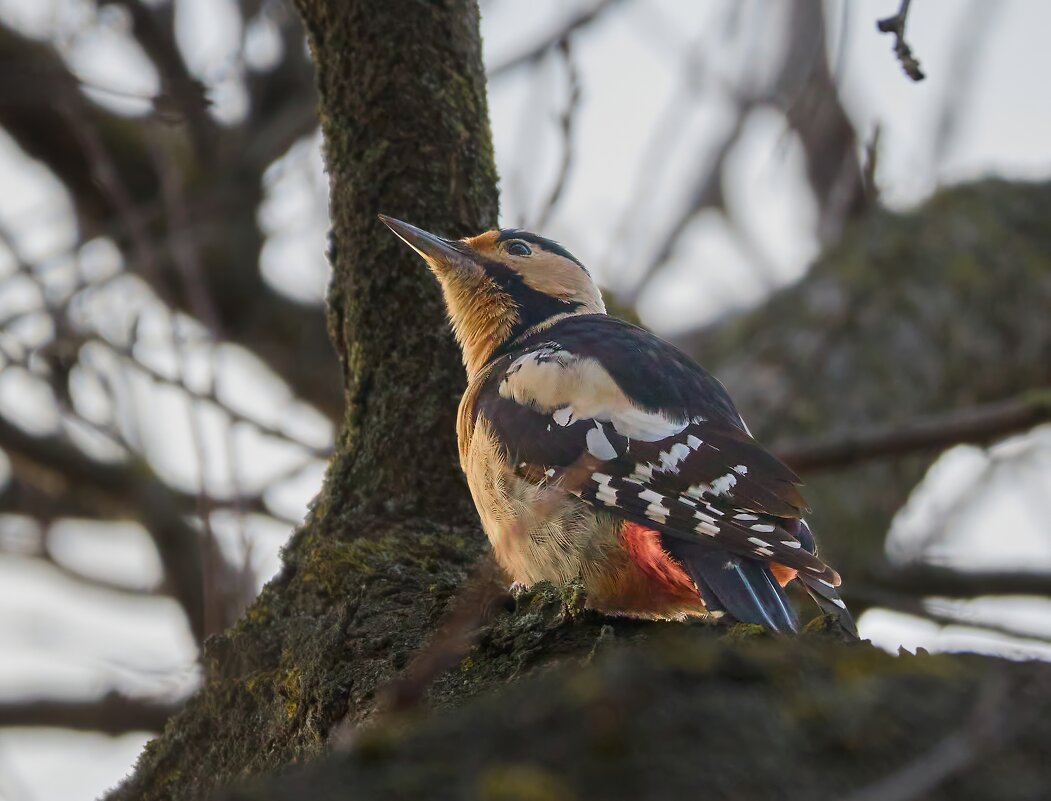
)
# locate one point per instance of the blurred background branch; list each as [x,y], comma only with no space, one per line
[748,179]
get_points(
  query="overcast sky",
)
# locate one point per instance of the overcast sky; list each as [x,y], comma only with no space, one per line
[57,639]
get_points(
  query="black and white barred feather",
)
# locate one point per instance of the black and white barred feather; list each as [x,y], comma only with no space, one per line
[631,426]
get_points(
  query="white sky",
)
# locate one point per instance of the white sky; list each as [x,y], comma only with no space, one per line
[57,638]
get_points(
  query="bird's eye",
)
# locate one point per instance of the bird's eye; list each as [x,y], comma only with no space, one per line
[518,249]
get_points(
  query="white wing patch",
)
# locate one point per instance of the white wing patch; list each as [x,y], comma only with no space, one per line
[723,484]
[599,445]
[570,388]
[670,458]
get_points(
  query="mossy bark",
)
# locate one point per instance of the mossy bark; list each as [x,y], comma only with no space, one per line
[694,717]
[391,537]
[392,532]
[406,128]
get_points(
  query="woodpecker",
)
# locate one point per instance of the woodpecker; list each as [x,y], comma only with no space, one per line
[593,449]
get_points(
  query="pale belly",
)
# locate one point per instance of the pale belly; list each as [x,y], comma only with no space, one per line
[537,533]
[542,533]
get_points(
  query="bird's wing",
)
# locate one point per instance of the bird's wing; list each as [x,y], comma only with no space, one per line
[659,443]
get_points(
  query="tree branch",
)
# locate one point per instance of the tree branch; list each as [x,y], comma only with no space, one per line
[930,580]
[43,109]
[154,29]
[896,25]
[979,424]
[130,486]
[553,39]
[113,713]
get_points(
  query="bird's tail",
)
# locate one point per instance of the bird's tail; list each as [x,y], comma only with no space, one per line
[828,599]
[744,588]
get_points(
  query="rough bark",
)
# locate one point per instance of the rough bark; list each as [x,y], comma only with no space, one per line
[406,127]
[692,717]
[391,535]
[391,538]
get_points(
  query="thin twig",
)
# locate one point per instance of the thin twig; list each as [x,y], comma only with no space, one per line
[978,424]
[113,713]
[896,26]
[566,121]
[553,39]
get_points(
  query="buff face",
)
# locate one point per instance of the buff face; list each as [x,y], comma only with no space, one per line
[500,285]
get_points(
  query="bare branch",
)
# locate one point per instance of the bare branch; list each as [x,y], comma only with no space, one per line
[566,121]
[133,486]
[45,556]
[553,39]
[863,596]
[113,713]
[211,396]
[979,424]
[896,26]
[182,95]
[40,98]
[929,580]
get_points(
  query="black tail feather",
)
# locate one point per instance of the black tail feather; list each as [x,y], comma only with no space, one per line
[824,596]
[742,587]
[828,599]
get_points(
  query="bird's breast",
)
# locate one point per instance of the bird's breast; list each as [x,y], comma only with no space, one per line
[538,532]
[543,533]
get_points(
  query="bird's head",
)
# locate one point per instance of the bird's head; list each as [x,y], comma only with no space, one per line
[502,284]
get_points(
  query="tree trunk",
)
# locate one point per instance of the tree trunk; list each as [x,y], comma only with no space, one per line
[392,532]
[392,537]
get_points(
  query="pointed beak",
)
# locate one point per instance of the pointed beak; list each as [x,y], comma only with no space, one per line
[433,248]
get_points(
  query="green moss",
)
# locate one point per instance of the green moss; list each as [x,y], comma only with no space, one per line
[522,782]
[745,631]
[763,718]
